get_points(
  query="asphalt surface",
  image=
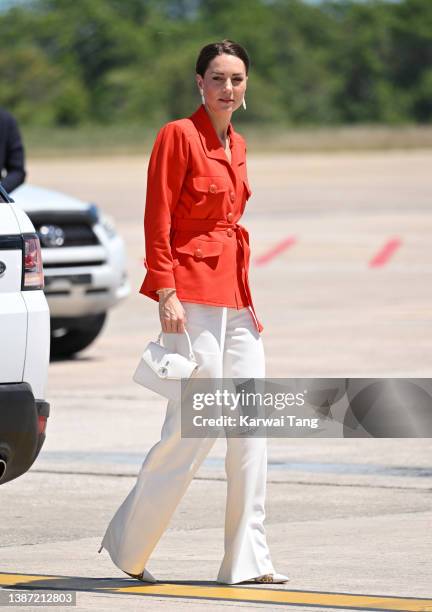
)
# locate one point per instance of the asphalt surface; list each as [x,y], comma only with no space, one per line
[349,520]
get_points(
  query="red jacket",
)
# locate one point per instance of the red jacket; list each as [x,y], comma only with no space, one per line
[195,198]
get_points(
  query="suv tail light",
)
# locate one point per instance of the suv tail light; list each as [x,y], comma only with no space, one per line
[33,277]
[42,423]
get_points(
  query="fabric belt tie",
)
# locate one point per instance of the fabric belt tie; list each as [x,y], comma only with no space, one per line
[211,225]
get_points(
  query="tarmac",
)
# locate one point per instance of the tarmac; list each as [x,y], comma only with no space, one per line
[349,520]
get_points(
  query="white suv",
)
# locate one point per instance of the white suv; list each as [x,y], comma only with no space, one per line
[84,264]
[24,343]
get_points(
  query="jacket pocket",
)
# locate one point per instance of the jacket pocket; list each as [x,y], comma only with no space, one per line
[200,249]
[210,184]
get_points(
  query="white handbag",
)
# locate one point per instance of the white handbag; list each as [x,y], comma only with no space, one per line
[162,371]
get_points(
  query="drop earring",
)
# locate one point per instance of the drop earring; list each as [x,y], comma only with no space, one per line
[202,96]
[244,103]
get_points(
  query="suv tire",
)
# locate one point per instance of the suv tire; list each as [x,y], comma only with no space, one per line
[69,336]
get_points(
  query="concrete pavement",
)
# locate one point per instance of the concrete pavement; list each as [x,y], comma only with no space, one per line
[339,520]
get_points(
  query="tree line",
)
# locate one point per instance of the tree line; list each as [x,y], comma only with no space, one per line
[75,62]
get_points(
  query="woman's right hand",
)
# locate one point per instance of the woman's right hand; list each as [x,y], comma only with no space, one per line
[171,312]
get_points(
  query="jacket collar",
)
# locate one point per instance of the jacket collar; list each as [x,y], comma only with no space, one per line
[210,141]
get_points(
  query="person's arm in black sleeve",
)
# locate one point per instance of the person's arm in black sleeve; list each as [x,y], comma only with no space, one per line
[14,157]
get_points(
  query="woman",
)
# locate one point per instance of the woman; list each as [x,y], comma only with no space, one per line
[197,259]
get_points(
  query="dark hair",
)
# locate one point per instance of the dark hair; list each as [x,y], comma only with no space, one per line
[210,51]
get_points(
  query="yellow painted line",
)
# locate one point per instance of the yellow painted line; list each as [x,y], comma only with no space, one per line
[14,579]
[261,595]
[227,593]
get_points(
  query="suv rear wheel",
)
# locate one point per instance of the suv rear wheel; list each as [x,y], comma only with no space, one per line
[69,336]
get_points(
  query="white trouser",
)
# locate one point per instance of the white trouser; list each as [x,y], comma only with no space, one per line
[226,344]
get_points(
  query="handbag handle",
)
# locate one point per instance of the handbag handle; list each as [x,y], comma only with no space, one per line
[191,353]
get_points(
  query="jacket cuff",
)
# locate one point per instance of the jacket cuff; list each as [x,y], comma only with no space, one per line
[156,280]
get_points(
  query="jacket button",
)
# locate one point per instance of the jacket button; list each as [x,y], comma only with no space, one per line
[229,233]
[212,188]
[232,196]
[198,253]
[230,217]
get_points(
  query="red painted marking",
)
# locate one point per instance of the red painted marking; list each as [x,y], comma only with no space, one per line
[276,250]
[385,253]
